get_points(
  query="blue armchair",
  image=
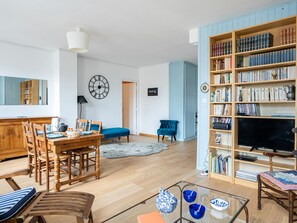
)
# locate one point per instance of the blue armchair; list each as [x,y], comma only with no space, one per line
[168,127]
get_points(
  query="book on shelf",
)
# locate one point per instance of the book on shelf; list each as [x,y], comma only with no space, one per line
[246,175]
[278,56]
[268,74]
[218,138]
[222,64]
[224,109]
[287,35]
[290,115]
[221,48]
[261,94]
[254,42]
[221,95]
[248,109]
[221,165]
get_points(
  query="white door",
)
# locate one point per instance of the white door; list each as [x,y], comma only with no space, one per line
[129,110]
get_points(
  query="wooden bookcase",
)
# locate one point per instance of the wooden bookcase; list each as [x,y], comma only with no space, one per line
[29,94]
[248,69]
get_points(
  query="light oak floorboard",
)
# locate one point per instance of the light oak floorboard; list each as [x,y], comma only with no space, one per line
[127,181]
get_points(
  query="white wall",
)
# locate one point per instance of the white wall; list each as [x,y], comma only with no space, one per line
[153,108]
[109,109]
[22,61]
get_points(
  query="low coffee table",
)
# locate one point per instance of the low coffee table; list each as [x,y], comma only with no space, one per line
[181,213]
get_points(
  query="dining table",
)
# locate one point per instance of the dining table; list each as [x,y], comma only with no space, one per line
[66,144]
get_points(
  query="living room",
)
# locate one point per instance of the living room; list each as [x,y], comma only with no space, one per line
[68,75]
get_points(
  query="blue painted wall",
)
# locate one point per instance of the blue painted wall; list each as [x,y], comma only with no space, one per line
[251,19]
[183,97]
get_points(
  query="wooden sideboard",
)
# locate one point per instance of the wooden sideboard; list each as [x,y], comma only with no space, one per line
[11,135]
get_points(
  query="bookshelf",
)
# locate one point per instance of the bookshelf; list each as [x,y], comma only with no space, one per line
[250,71]
[29,94]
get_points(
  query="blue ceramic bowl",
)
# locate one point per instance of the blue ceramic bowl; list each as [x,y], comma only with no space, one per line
[189,195]
[196,211]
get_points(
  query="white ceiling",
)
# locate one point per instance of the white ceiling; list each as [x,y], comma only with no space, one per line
[130,32]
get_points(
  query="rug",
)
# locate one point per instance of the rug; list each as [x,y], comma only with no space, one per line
[118,150]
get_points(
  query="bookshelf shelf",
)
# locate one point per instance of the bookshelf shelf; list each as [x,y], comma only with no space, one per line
[268,49]
[258,91]
[221,147]
[267,117]
[266,66]
[264,163]
[220,85]
[220,71]
[264,102]
[220,130]
[221,57]
[265,82]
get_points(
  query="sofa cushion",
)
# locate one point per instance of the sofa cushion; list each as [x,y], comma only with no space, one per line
[12,202]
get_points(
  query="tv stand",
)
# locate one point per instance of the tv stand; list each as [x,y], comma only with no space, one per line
[254,147]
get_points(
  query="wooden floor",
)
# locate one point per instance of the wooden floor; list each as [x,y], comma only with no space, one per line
[127,181]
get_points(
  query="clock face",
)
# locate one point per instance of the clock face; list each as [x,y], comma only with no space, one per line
[98,87]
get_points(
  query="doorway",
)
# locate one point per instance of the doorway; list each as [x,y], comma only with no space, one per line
[129,106]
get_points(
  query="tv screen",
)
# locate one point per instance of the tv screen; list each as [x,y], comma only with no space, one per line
[275,134]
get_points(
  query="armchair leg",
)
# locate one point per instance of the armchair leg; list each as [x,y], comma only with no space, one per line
[171,138]
[174,138]
[128,138]
[163,137]
[158,138]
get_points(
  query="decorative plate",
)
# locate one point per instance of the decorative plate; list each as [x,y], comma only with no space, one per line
[219,204]
[204,87]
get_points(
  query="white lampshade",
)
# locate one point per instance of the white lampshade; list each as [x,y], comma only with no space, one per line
[78,41]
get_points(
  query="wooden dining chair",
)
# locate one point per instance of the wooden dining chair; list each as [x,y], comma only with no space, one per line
[45,158]
[86,156]
[82,124]
[274,187]
[31,150]
[24,203]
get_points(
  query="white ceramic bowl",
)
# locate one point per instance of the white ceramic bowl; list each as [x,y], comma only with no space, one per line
[219,204]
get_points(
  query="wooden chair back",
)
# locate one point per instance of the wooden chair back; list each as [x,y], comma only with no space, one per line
[272,154]
[95,123]
[81,124]
[40,140]
[29,137]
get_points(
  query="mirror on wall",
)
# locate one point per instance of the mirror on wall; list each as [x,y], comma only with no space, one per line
[23,91]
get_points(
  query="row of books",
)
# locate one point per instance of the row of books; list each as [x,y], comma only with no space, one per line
[267,75]
[287,35]
[261,94]
[246,175]
[222,64]
[222,120]
[221,165]
[255,42]
[222,78]
[267,58]
[221,95]
[224,109]
[221,48]
[248,109]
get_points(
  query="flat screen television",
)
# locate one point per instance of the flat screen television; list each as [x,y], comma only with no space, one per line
[274,134]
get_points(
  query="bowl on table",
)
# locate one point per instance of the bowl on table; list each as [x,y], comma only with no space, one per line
[219,204]
[197,210]
[189,195]
[72,134]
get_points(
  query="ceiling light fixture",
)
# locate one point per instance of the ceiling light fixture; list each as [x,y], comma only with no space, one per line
[78,41]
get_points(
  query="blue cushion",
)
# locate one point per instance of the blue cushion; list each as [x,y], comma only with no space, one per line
[94,127]
[12,202]
[115,132]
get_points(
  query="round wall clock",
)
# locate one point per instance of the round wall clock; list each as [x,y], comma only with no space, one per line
[98,87]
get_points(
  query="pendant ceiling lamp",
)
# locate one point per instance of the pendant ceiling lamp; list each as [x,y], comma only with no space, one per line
[78,41]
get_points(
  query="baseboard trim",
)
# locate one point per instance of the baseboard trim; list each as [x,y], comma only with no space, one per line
[148,135]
